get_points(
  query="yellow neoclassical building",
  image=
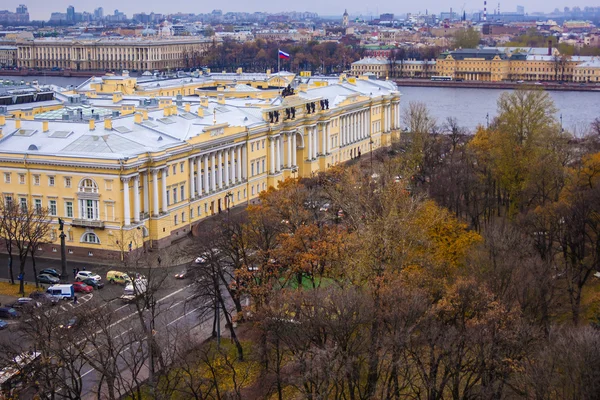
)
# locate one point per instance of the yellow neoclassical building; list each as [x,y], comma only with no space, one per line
[490,64]
[142,180]
[109,53]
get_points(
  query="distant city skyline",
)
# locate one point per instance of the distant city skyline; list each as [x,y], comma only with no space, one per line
[41,10]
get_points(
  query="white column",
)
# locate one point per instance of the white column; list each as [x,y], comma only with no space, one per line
[244,162]
[191,166]
[355,126]
[315,141]
[309,138]
[327,138]
[136,198]
[239,164]
[294,149]
[220,170]
[206,174]
[146,193]
[278,154]
[271,155]
[164,189]
[232,166]
[281,152]
[126,206]
[361,130]
[199,176]
[213,172]
[324,138]
[289,150]
[342,131]
[226,167]
[155,192]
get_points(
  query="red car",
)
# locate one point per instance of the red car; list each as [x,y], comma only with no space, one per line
[82,287]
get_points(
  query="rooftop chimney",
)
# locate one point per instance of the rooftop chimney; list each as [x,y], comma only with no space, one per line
[92,124]
[18,123]
[137,118]
[108,124]
[2,120]
[44,126]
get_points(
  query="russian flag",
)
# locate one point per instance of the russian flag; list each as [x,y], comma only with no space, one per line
[284,55]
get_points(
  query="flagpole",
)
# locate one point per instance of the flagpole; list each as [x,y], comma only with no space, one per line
[278,61]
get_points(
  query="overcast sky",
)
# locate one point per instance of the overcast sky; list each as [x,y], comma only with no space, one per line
[41,9]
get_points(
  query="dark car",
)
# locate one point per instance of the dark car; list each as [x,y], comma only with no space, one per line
[6,312]
[183,274]
[71,323]
[45,278]
[51,272]
[95,284]
[43,297]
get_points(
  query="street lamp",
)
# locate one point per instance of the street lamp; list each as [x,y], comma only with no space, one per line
[64,276]
[561,124]
[487,120]
[228,200]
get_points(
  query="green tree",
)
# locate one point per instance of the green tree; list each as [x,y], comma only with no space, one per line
[466,38]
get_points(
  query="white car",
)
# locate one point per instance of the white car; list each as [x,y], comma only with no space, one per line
[204,257]
[81,275]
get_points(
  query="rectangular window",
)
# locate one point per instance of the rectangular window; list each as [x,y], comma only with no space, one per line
[183,217]
[252,147]
[252,190]
[22,179]
[174,169]
[182,192]
[181,167]
[205,207]
[8,201]
[50,181]
[174,195]
[175,219]
[67,182]
[90,210]
[36,180]
[252,169]
[244,193]
[191,213]
[52,207]
[263,143]
[199,210]
[263,166]
[23,201]
[168,199]
[7,177]
[69,209]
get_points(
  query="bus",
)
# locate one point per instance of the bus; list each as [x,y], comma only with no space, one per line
[441,78]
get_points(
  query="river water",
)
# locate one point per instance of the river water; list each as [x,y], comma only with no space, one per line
[469,106]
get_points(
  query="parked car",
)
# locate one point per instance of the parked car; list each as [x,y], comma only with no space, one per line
[324,207]
[118,277]
[81,275]
[8,313]
[45,278]
[44,297]
[3,324]
[205,256]
[50,271]
[95,284]
[80,287]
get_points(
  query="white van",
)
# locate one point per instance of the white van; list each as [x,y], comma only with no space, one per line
[140,287]
[61,291]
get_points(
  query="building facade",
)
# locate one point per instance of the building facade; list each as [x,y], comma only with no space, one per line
[8,56]
[145,179]
[109,54]
[488,65]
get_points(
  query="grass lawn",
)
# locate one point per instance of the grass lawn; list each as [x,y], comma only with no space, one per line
[7,289]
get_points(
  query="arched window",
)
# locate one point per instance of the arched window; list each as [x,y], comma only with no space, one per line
[87,185]
[90,237]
